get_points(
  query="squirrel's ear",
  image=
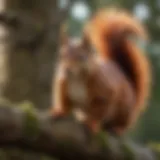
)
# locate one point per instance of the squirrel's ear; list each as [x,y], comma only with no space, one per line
[63,35]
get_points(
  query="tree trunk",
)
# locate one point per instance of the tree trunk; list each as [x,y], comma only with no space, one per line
[30,50]
[29,32]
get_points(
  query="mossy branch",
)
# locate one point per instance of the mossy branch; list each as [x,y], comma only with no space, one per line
[26,128]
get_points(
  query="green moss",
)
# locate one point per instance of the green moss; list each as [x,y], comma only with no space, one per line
[102,137]
[99,142]
[155,147]
[5,102]
[31,126]
[128,151]
[25,105]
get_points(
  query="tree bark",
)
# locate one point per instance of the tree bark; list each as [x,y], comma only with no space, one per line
[30,50]
[29,37]
[64,138]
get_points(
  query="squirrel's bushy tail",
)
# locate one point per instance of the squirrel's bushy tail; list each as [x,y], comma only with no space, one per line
[110,31]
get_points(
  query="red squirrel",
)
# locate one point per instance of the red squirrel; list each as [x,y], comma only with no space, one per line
[109,87]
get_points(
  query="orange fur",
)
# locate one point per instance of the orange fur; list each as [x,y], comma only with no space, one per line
[115,81]
[109,33]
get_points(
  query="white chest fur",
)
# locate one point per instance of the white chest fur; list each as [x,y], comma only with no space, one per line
[78,94]
[77,91]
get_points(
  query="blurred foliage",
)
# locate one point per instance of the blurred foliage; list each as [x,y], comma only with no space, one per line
[148,127]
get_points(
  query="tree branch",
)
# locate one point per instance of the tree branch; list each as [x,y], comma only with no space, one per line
[65,138]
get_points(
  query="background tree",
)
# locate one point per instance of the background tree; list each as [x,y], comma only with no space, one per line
[29,33]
